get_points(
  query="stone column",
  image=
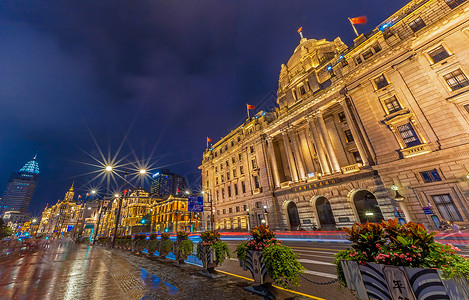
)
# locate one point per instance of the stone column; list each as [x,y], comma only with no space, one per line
[318,145]
[355,132]
[288,151]
[273,161]
[298,156]
[327,141]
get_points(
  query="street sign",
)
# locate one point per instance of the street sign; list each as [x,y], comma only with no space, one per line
[89,226]
[196,204]
[427,210]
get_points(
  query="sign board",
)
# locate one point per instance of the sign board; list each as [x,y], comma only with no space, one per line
[89,226]
[196,204]
[344,219]
[70,227]
[306,221]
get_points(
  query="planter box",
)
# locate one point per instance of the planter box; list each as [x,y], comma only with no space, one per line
[377,281]
[208,258]
[180,257]
[255,264]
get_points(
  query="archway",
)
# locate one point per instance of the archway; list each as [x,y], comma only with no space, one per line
[293,216]
[367,207]
[325,215]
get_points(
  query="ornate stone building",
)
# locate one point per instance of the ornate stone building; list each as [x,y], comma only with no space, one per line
[366,132]
[172,215]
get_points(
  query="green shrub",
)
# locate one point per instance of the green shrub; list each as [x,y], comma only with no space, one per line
[186,247]
[166,245]
[282,264]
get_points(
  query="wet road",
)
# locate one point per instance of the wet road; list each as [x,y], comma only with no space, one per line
[68,271]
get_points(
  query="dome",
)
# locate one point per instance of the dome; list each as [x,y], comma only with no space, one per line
[31,167]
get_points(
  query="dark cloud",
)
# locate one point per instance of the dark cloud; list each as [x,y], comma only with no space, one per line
[174,71]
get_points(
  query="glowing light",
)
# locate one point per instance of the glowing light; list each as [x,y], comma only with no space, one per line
[143,171]
[187,192]
[93,191]
[89,207]
[394,187]
[329,68]
[34,220]
[368,213]
[108,168]
[116,195]
[202,192]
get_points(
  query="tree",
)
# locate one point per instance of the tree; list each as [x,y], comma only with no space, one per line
[4,230]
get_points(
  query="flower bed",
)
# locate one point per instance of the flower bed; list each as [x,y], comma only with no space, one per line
[407,254]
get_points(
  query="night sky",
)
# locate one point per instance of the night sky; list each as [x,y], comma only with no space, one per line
[168,73]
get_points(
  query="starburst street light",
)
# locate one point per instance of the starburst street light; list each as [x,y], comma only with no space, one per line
[93,191]
[143,171]
[116,195]
[109,168]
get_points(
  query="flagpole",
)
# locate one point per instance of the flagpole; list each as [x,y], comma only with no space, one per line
[354,29]
[247,108]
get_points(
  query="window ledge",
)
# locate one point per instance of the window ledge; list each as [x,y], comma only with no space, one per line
[416,150]
[443,62]
[459,96]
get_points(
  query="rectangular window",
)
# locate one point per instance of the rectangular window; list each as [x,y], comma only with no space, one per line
[241,170]
[302,90]
[456,80]
[430,176]
[243,187]
[234,173]
[408,134]
[228,175]
[218,195]
[358,59]
[221,166]
[254,164]
[251,149]
[447,208]
[348,136]
[344,62]
[216,180]
[438,54]
[227,163]
[236,189]
[229,191]
[245,207]
[233,160]
[256,182]
[216,169]
[218,212]
[223,193]
[454,3]
[224,211]
[206,184]
[240,157]
[342,118]
[237,208]
[417,24]
[357,157]
[381,82]
[392,105]
[222,178]
[376,47]
[230,210]
[367,54]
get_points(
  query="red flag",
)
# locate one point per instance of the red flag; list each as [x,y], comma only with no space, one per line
[79,196]
[87,194]
[177,190]
[249,106]
[209,140]
[359,20]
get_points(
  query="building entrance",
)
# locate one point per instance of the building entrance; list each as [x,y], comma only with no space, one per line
[293,216]
[326,217]
[367,207]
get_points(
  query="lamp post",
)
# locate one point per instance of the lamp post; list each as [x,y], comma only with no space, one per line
[34,221]
[266,215]
[248,220]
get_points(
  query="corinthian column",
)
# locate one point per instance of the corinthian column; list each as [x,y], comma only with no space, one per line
[273,161]
[319,146]
[298,156]
[327,141]
[291,160]
[355,133]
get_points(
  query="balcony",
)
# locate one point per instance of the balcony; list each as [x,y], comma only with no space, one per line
[416,150]
[351,168]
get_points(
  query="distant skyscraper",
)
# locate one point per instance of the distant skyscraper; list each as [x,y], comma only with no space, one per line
[165,183]
[20,188]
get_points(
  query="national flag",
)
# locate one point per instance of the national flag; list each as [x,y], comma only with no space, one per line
[87,194]
[359,20]
[249,106]
[209,140]
[79,196]
[177,190]
[300,29]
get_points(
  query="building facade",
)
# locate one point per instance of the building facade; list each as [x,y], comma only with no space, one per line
[165,183]
[172,215]
[20,189]
[361,133]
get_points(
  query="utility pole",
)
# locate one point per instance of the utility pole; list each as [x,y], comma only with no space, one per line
[119,211]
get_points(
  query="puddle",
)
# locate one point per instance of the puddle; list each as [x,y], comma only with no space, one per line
[158,288]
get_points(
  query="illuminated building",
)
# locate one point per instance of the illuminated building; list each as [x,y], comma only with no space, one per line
[366,132]
[63,218]
[165,183]
[171,215]
[20,189]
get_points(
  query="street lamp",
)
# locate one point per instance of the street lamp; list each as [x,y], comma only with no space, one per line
[248,219]
[266,215]
[93,191]
[108,168]
[143,171]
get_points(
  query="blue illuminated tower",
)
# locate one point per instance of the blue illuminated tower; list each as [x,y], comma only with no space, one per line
[20,188]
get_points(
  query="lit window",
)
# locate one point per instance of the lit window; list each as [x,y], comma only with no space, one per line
[342,118]
[454,3]
[456,80]
[381,82]
[417,24]
[254,164]
[447,208]
[367,54]
[392,105]
[408,134]
[348,136]
[430,176]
